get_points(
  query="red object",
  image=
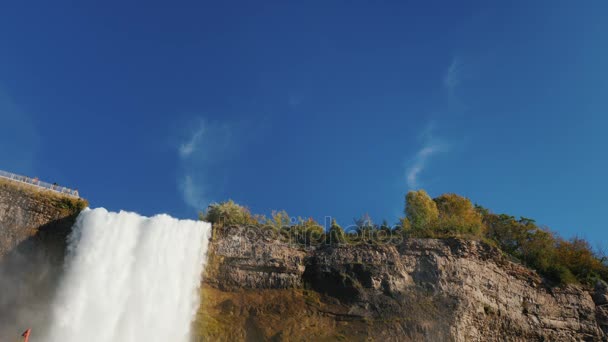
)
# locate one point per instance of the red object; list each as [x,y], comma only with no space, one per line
[26,335]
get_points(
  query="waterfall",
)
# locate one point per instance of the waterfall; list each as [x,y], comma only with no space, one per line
[130,278]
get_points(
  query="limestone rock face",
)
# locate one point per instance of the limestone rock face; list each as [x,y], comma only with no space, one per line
[25,212]
[418,289]
[600,297]
[250,259]
[257,288]
[34,226]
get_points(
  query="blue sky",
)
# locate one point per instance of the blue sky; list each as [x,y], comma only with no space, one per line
[317,107]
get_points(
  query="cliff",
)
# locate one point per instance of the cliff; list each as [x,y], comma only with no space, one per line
[256,288]
[34,225]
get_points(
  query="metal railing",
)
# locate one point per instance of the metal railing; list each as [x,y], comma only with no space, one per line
[38,183]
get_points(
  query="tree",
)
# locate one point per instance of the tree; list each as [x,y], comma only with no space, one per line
[307,232]
[228,213]
[385,226]
[336,234]
[457,215]
[507,232]
[279,219]
[404,226]
[420,210]
[578,255]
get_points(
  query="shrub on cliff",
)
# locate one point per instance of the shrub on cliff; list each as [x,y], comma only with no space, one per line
[560,260]
[228,213]
[278,220]
[73,205]
[457,216]
[448,215]
[578,255]
[307,232]
[525,241]
[421,211]
[336,235]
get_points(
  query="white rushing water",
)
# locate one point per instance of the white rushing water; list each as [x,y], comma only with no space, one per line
[130,278]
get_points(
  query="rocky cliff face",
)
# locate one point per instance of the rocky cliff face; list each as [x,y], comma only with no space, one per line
[421,289]
[29,215]
[258,289]
[33,229]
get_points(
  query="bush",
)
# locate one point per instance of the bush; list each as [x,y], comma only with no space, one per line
[581,260]
[559,260]
[336,235]
[420,210]
[228,213]
[73,205]
[448,215]
[279,220]
[457,216]
[307,232]
[560,274]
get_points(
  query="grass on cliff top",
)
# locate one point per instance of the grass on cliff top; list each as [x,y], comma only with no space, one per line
[67,204]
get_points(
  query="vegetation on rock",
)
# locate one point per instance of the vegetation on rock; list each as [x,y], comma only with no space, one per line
[447,216]
[68,204]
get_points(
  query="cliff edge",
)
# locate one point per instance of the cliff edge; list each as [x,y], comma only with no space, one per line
[34,225]
[257,289]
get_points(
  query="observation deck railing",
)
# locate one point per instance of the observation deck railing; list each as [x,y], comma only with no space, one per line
[40,184]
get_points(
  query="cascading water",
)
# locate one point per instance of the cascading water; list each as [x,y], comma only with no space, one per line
[130,278]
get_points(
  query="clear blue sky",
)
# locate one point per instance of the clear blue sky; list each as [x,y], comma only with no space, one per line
[316,107]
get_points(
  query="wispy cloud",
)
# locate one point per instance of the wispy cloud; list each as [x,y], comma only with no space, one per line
[189,146]
[192,192]
[431,147]
[453,75]
[202,145]
[192,188]
[458,74]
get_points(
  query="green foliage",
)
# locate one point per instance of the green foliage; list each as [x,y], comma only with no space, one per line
[336,235]
[581,260]
[560,260]
[457,216]
[420,210]
[385,226]
[73,205]
[69,205]
[560,274]
[228,213]
[307,232]
[278,220]
[404,226]
[448,215]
